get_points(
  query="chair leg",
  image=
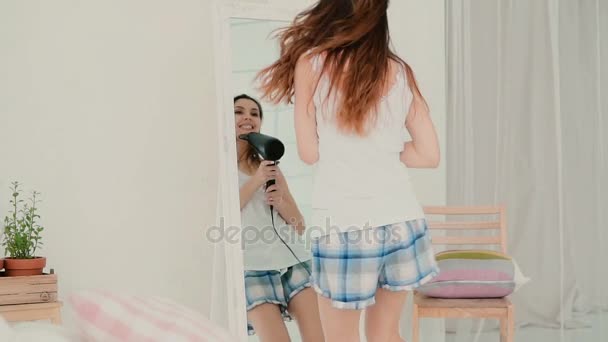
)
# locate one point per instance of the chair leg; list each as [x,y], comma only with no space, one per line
[503,329]
[415,325]
[507,326]
[510,324]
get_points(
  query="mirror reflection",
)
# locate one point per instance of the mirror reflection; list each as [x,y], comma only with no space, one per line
[274,197]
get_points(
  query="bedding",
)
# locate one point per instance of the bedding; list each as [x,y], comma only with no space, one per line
[111,317]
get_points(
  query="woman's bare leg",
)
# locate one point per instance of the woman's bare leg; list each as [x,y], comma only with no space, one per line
[304,308]
[268,323]
[339,325]
[382,319]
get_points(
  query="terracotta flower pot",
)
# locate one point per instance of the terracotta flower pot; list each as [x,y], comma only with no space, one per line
[24,267]
[1,264]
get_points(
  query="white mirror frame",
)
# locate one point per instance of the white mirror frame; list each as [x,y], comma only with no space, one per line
[228,191]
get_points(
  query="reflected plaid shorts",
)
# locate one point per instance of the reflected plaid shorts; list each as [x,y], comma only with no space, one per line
[275,287]
[348,267]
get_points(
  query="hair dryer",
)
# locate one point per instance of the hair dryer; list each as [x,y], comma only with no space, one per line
[269,148]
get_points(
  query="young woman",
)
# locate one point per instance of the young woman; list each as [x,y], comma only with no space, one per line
[277,284]
[355,103]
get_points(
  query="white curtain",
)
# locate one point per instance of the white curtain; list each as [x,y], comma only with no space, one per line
[527,127]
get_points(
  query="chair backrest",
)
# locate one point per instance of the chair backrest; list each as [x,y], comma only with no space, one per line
[499,224]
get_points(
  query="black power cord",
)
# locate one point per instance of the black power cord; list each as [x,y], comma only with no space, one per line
[283,241]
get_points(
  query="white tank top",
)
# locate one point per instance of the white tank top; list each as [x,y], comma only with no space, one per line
[262,249]
[360,181]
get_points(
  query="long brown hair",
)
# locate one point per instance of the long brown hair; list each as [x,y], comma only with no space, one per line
[351,33]
[251,157]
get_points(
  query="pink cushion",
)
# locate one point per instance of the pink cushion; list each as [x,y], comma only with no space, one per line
[468,290]
[106,316]
[473,274]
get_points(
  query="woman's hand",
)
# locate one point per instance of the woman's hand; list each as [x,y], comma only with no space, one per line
[277,192]
[423,150]
[265,172]
[279,196]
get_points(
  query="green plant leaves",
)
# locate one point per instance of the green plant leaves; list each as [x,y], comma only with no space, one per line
[21,235]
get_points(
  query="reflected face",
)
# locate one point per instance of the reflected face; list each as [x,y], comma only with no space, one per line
[246,117]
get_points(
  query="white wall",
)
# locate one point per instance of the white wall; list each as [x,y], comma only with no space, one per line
[418,34]
[108,109]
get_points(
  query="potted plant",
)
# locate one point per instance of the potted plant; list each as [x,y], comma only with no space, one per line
[22,237]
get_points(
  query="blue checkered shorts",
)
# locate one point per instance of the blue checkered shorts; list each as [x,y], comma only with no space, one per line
[348,267]
[275,287]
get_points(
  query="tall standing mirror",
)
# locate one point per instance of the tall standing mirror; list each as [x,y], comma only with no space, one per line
[276,259]
[273,297]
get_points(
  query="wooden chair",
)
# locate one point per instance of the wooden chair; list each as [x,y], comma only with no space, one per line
[499,308]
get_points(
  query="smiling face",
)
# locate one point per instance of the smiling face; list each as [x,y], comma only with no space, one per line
[247,117]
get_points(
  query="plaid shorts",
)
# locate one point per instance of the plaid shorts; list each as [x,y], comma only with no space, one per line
[348,267]
[276,287]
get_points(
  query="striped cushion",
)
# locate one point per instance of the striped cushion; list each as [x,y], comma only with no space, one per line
[472,274]
[106,316]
